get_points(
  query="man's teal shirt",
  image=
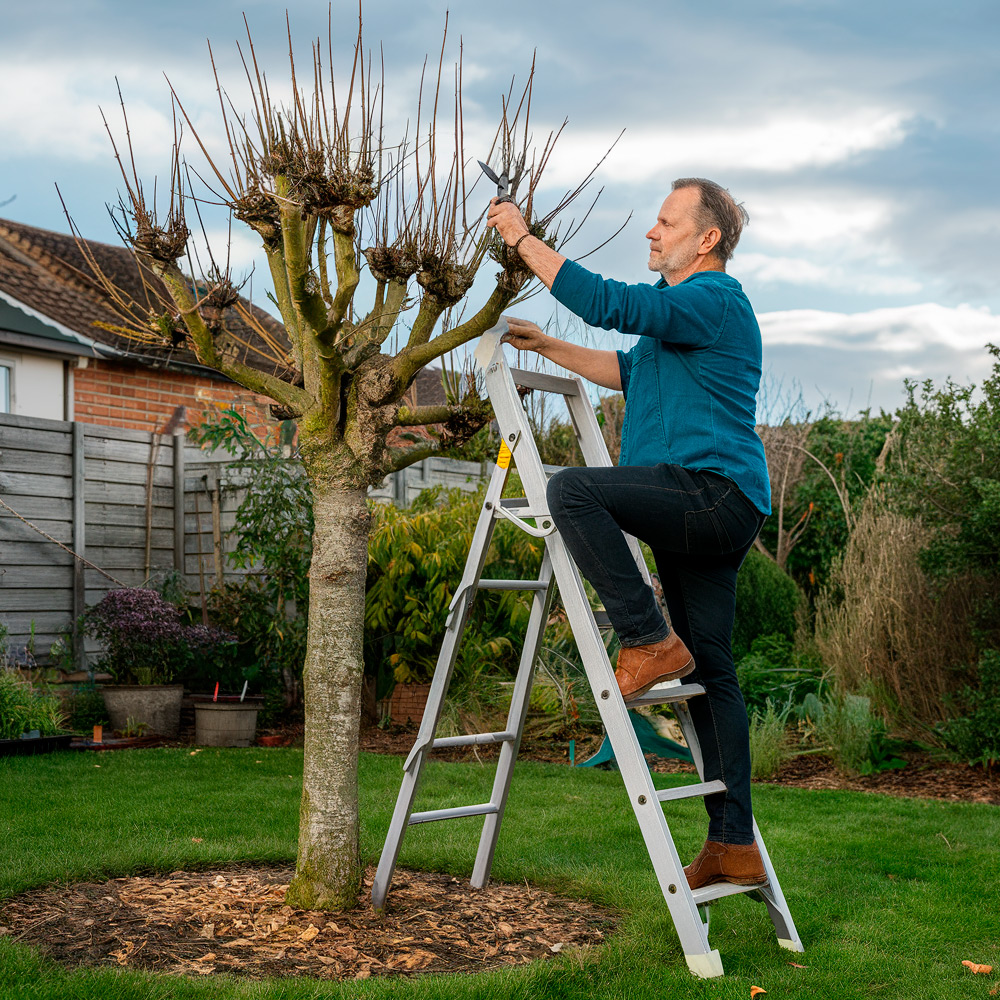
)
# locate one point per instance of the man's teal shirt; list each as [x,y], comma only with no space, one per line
[691,381]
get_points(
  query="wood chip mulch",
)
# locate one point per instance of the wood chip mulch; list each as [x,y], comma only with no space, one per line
[235,921]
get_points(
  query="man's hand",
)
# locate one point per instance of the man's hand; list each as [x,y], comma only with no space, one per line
[538,257]
[508,220]
[598,366]
[525,336]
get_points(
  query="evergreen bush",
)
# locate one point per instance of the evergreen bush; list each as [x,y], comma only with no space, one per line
[973,732]
[767,603]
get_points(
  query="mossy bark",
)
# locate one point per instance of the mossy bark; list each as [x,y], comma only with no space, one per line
[328,869]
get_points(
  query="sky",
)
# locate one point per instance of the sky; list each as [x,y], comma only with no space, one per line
[863,139]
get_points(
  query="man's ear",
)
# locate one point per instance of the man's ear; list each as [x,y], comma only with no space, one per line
[709,240]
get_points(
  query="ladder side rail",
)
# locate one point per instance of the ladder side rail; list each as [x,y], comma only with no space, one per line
[516,430]
[701,958]
[520,698]
[413,766]
[774,899]
[588,432]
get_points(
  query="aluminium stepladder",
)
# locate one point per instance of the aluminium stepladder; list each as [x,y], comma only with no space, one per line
[686,907]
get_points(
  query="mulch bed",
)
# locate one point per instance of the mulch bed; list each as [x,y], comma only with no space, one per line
[235,921]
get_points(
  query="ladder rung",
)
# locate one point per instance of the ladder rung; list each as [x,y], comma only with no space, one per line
[708,893]
[547,383]
[522,506]
[485,809]
[665,696]
[473,740]
[512,585]
[602,619]
[690,791]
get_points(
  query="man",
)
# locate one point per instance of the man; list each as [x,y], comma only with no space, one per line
[691,481]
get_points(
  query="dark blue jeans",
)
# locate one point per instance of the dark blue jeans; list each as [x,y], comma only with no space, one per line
[699,527]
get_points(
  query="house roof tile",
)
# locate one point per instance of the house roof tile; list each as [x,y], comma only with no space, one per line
[48,272]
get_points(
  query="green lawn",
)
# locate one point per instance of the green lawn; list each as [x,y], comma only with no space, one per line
[889,895]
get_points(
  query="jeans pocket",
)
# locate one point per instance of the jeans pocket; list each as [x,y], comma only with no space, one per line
[705,534]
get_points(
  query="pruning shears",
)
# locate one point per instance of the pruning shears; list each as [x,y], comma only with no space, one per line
[505,183]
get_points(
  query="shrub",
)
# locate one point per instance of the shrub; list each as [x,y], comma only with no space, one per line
[268,610]
[774,670]
[767,602]
[415,563]
[143,638]
[854,737]
[269,648]
[770,746]
[87,709]
[975,732]
[884,627]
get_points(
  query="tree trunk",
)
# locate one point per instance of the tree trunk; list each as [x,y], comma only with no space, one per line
[328,869]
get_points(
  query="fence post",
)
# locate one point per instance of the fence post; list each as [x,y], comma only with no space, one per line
[179,441]
[79,541]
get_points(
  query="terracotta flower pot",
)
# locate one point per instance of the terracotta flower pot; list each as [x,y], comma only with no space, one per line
[272,741]
[407,703]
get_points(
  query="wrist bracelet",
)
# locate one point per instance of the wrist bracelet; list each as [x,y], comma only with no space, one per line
[518,243]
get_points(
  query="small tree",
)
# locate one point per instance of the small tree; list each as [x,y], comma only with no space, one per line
[329,197]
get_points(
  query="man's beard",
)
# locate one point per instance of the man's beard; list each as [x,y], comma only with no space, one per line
[674,261]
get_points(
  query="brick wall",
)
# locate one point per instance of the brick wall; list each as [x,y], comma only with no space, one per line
[117,394]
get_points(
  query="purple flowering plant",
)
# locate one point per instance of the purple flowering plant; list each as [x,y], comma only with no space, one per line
[144,639]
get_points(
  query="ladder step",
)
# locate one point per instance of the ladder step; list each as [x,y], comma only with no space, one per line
[602,619]
[485,809]
[473,740]
[709,893]
[547,383]
[512,585]
[667,695]
[522,506]
[691,791]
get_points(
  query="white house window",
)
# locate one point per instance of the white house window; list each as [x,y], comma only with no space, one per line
[6,381]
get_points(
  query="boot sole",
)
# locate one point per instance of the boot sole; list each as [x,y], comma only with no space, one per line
[757,880]
[674,675]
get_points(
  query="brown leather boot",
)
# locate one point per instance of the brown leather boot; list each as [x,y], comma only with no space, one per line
[740,864]
[640,667]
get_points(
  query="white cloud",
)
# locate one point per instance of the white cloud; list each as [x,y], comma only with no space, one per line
[861,359]
[768,270]
[57,113]
[817,218]
[893,331]
[780,143]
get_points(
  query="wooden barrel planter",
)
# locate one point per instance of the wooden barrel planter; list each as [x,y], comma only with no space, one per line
[227,722]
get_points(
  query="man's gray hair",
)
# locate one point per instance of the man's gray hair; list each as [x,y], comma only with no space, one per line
[718,209]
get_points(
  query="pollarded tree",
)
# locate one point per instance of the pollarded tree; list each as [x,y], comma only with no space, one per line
[329,197]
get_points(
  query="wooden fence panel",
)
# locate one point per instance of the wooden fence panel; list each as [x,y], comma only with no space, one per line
[89,489]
